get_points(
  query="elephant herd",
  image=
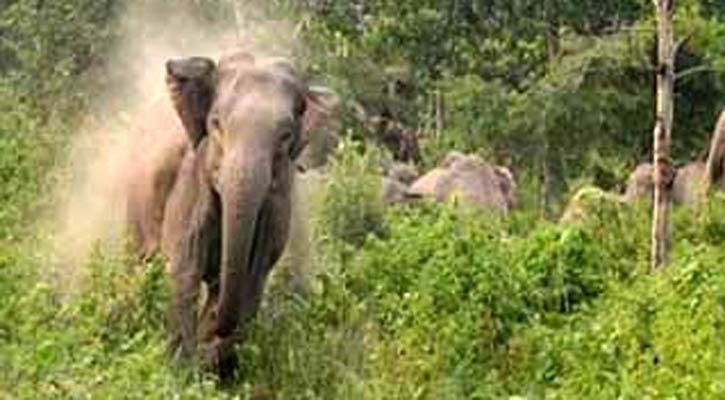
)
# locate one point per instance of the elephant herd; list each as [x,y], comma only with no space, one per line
[460,178]
[690,181]
[210,187]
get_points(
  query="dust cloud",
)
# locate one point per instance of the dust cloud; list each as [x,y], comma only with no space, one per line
[132,105]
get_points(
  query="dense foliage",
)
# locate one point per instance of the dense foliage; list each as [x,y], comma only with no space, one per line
[439,305]
[424,301]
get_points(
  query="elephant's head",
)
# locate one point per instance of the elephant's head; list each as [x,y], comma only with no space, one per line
[640,184]
[249,118]
[507,184]
[403,173]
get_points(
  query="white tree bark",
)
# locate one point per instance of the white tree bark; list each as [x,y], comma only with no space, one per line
[715,165]
[663,170]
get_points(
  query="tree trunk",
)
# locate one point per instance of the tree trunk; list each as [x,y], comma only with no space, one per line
[546,185]
[438,113]
[551,16]
[663,170]
[716,157]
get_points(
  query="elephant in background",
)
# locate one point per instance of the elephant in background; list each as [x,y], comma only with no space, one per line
[326,126]
[470,180]
[226,217]
[155,153]
[396,182]
[691,181]
[590,200]
[640,184]
[686,188]
[695,179]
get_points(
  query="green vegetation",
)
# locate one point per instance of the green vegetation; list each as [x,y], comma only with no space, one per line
[415,302]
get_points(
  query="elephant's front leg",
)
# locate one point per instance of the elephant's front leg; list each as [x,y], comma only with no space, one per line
[195,252]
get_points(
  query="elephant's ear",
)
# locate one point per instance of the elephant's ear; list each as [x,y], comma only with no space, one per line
[506,182]
[191,83]
[505,178]
[319,108]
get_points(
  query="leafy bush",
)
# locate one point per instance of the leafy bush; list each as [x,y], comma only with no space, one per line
[353,206]
[104,337]
[444,304]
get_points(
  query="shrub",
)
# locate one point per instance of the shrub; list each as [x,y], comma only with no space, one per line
[353,207]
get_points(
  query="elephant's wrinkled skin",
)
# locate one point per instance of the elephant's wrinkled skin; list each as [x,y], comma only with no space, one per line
[470,180]
[226,220]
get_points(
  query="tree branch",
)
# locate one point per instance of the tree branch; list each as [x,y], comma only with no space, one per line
[696,70]
[681,43]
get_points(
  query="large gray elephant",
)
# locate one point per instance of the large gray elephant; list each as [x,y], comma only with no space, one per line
[227,217]
[469,180]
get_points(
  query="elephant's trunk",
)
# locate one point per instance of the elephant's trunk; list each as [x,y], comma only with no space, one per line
[245,181]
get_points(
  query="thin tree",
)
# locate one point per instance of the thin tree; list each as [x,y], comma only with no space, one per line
[663,169]
[715,165]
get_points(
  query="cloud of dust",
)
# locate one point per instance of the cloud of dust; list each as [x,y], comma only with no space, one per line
[91,206]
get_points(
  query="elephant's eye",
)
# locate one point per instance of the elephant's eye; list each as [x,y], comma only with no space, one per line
[214,123]
[286,135]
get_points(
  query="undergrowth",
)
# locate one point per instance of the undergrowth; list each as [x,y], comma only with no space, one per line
[435,302]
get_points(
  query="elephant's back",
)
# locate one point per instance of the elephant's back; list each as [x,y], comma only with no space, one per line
[155,148]
[688,183]
[428,185]
[157,130]
[478,186]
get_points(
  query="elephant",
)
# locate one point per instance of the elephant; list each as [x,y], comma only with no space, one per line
[403,173]
[154,157]
[326,139]
[640,184]
[715,167]
[686,189]
[396,182]
[226,217]
[589,200]
[695,179]
[469,179]
[686,186]
[692,180]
